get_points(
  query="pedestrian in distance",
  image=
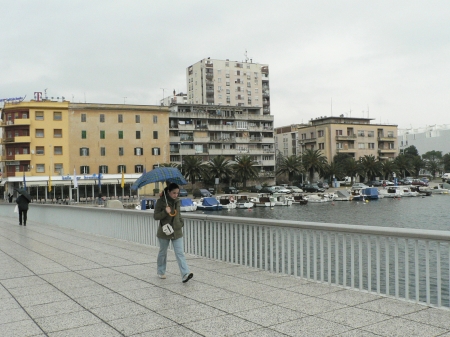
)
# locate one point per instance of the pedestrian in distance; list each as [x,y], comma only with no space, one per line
[10,197]
[167,211]
[22,203]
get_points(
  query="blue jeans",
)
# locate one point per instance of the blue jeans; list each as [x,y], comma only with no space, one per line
[178,247]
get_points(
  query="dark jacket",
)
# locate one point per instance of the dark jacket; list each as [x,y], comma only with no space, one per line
[22,202]
[175,221]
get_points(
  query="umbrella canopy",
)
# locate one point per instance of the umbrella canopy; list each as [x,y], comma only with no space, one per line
[160,174]
[24,193]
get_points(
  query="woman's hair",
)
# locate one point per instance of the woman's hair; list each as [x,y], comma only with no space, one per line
[171,187]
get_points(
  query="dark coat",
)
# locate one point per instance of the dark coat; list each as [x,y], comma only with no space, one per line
[176,222]
[22,202]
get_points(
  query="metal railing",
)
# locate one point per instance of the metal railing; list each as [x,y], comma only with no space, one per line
[407,264]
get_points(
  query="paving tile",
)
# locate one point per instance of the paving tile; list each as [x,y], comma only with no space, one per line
[353,317]
[239,303]
[436,317]
[226,325]
[104,300]
[21,329]
[265,332]
[207,296]
[312,305]
[87,291]
[236,270]
[169,302]
[278,296]
[95,330]
[350,297]
[12,315]
[391,306]
[284,282]
[357,333]
[32,290]
[256,276]
[54,308]
[170,331]
[66,321]
[141,323]
[404,328]
[269,316]
[9,303]
[131,285]
[191,313]
[310,326]
[121,310]
[48,297]
[143,293]
[314,289]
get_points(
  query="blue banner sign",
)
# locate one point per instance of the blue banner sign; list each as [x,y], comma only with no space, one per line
[92,177]
[12,99]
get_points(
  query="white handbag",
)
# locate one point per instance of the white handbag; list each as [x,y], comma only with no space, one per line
[16,209]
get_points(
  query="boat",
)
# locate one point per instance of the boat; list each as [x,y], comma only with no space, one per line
[263,200]
[243,201]
[343,195]
[146,204]
[319,198]
[209,204]
[187,205]
[227,201]
[408,192]
[439,189]
[392,192]
[299,199]
[281,199]
[423,192]
[368,193]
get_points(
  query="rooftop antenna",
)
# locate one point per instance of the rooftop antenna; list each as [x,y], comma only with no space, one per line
[246,57]
[124,99]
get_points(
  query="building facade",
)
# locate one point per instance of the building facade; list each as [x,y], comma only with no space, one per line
[231,83]
[49,142]
[230,131]
[355,137]
[430,138]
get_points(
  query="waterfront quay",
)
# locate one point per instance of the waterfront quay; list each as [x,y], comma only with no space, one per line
[56,281]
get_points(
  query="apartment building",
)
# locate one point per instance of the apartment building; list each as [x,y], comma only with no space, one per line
[48,142]
[332,135]
[231,83]
[230,131]
[429,138]
[286,140]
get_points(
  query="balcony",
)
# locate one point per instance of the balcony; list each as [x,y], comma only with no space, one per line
[305,141]
[266,174]
[184,127]
[187,152]
[22,139]
[386,139]
[346,150]
[221,127]
[20,157]
[387,151]
[22,121]
[201,139]
[349,137]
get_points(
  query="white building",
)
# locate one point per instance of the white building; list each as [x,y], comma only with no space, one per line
[429,138]
[179,98]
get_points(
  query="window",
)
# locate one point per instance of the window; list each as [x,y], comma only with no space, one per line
[121,168]
[83,118]
[39,115]
[120,151]
[390,134]
[155,119]
[103,151]
[57,116]
[84,151]
[102,134]
[59,168]
[156,151]
[84,169]
[57,150]
[102,118]
[371,145]
[228,91]
[40,168]
[138,168]
[120,134]
[320,133]
[361,146]
[339,146]
[370,134]
[249,85]
[312,135]
[138,151]
[219,80]
[120,118]
[228,99]
[360,133]
[138,134]
[338,132]
[321,146]
[137,118]
[391,146]
[57,133]
[155,134]
[83,134]
[40,150]
[103,169]
[39,133]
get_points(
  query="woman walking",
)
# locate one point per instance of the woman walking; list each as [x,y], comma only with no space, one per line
[167,210]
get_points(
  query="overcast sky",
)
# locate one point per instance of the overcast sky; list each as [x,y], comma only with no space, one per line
[389,60]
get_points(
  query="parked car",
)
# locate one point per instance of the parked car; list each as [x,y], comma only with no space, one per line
[255,189]
[212,190]
[418,182]
[375,183]
[201,193]
[183,193]
[358,186]
[313,188]
[295,189]
[267,189]
[406,181]
[230,190]
[284,190]
[323,184]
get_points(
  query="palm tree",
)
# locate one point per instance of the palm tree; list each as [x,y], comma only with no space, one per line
[352,168]
[313,161]
[245,169]
[370,166]
[219,167]
[417,164]
[403,163]
[333,169]
[193,168]
[387,168]
[292,166]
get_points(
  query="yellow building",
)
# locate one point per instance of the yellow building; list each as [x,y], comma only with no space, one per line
[50,141]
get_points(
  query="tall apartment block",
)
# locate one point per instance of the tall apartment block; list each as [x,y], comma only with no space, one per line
[355,137]
[218,82]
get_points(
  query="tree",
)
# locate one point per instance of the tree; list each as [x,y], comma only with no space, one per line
[387,168]
[313,161]
[193,168]
[446,162]
[292,166]
[245,169]
[219,167]
[370,166]
[403,163]
[433,161]
[333,169]
[417,164]
[411,150]
[352,168]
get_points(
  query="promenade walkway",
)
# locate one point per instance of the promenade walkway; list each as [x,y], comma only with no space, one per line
[59,282]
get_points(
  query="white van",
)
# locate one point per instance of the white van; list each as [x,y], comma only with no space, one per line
[445,176]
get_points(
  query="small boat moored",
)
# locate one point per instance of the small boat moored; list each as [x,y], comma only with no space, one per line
[209,204]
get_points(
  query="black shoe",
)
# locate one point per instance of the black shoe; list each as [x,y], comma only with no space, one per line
[24,224]
[20,224]
[187,277]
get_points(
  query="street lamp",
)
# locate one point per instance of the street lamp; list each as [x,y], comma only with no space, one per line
[181,156]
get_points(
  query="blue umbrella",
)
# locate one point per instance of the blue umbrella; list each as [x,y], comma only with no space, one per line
[160,174]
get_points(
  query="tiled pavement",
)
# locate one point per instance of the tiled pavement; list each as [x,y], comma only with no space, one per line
[58,282]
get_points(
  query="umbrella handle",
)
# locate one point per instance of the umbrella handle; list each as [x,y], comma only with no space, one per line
[167,204]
